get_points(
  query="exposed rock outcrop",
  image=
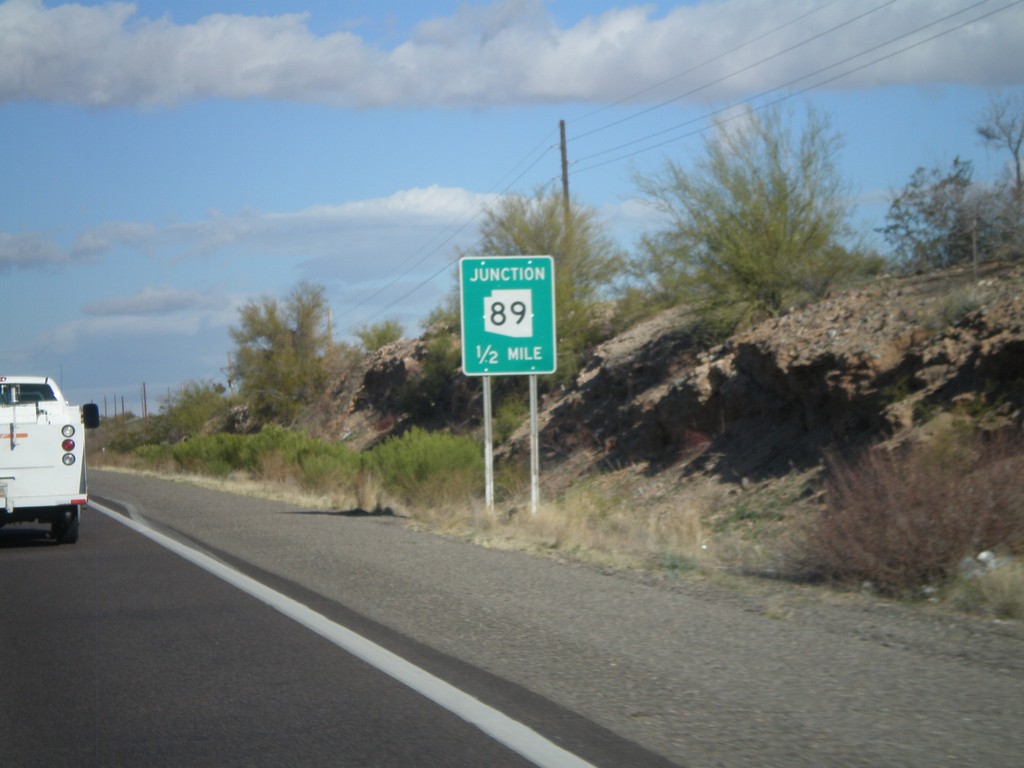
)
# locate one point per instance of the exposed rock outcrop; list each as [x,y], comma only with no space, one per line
[858,367]
[855,368]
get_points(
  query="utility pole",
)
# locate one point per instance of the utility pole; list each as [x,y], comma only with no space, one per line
[567,257]
[565,169]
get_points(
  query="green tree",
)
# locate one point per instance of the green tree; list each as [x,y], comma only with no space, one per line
[190,409]
[280,350]
[587,261]
[378,335]
[756,226]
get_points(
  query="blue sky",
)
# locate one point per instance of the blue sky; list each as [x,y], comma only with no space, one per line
[166,162]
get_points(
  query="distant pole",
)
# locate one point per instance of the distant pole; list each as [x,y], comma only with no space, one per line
[567,260]
[145,405]
[565,169]
[231,376]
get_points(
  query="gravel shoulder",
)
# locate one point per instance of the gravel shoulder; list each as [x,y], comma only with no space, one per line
[702,672]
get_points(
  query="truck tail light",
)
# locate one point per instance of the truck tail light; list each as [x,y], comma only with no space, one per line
[68,445]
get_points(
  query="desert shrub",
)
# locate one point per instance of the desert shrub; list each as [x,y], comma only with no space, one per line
[419,468]
[272,440]
[275,454]
[219,454]
[324,466]
[189,410]
[378,335]
[902,520]
[328,469]
[154,456]
[424,468]
[122,436]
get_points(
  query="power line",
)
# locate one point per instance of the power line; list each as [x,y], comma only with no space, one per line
[790,83]
[740,71]
[703,117]
[693,69]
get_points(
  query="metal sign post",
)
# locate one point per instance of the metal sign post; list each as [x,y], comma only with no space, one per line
[534,449]
[508,329]
[488,447]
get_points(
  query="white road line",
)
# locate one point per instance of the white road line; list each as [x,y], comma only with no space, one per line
[495,724]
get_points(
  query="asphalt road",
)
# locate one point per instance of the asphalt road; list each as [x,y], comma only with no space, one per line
[116,652]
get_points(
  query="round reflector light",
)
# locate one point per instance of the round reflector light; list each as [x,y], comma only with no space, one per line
[68,445]
[68,430]
[69,459]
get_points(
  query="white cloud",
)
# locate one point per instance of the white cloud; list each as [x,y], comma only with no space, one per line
[105,237]
[422,205]
[504,52]
[371,233]
[155,300]
[108,331]
[29,250]
[361,228]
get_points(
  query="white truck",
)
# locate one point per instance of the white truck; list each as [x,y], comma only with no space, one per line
[42,455]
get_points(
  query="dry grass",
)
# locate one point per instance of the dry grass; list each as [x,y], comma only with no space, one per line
[612,520]
[998,593]
[241,484]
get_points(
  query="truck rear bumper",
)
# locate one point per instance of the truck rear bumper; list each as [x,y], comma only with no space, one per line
[36,512]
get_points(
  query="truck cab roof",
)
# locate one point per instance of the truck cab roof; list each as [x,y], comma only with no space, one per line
[29,389]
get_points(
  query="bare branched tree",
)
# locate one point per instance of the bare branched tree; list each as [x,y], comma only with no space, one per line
[1002,127]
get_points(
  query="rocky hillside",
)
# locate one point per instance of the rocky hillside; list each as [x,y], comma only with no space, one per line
[883,361]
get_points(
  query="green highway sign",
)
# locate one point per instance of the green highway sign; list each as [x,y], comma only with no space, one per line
[508,315]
